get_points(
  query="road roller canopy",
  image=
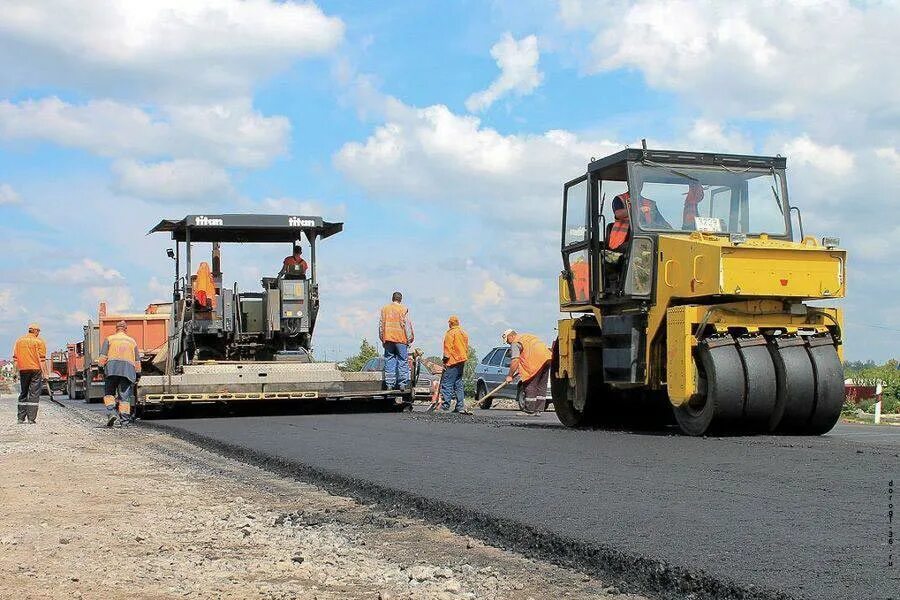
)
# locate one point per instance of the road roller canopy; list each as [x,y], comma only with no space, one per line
[681,192]
[247,228]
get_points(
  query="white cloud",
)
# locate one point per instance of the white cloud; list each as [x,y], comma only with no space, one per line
[832,160]
[522,285]
[164,48]
[293,206]
[230,133]
[826,64]
[433,154]
[176,180]
[8,195]
[118,298]
[85,271]
[519,74]
[889,154]
[706,135]
[77,318]
[490,294]
[7,304]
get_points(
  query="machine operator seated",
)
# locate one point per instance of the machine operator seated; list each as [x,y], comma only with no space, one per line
[619,231]
[294,266]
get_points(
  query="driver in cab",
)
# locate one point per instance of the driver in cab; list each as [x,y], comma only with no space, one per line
[620,231]
[294,266]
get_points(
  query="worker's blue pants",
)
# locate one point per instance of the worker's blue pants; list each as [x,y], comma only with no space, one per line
[452,385]
[396,366]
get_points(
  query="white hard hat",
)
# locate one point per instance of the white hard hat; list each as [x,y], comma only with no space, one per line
[506,334]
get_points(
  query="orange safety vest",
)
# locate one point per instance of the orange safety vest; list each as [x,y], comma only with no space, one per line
[533,356]
[618,235]
[121,347]
[290,261]
[691,211]
[580,281]
[29,353]
[204,286]
[393,323]
[456,345]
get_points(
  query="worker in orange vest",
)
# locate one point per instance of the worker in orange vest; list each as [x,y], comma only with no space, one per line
[530,359]
[395,330]
[581,279]
[456,353]
[30,359]
[621,229]
[121,361]
[294,265]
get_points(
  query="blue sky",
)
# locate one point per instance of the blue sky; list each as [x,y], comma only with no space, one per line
[440,133]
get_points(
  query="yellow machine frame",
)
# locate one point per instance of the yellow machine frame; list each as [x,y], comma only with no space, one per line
[775,274]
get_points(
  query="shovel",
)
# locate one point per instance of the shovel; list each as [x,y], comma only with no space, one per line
[50,393]
[502,385]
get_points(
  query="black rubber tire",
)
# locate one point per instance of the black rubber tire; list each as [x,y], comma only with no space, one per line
[480,392]
[796,385]
[718,408]
[761,392]
[520,396]
[563,396]
[829,389]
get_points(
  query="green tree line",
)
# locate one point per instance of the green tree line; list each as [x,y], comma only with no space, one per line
[888,374]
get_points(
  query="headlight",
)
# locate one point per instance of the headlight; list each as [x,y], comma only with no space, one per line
[831,242]
[737,238]
[641,268]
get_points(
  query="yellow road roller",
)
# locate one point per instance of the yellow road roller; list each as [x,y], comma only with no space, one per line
[687,295]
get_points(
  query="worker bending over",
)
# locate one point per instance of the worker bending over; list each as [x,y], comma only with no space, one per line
[437,370]
[294,265]
[456,352]
[121,361]
[396,333]
[30,359]
[530,358]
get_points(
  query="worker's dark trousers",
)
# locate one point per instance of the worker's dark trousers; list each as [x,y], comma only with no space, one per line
[31,382]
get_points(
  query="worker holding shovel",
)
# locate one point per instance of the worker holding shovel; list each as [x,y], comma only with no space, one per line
[531,361]
[30,358]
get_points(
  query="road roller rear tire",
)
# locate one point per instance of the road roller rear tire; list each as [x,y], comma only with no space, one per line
[719,405]
[796,386]
[829,387]
[760,394]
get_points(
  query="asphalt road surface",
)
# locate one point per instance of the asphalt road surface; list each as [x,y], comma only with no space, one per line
[806,517]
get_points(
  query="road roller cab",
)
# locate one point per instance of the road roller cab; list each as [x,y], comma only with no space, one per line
[686,288]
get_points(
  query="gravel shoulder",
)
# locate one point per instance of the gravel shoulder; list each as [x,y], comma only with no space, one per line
[135,513]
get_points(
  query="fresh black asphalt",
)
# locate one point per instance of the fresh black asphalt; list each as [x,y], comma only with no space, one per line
[765,516]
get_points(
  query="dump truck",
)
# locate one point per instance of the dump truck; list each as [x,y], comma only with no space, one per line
[228,345]
[57,364]
[84,379]
[687,293]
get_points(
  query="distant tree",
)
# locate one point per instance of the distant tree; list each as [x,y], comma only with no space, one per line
[869,372]
[469,372]
[366,352]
